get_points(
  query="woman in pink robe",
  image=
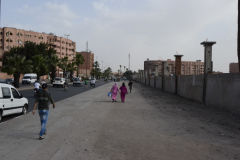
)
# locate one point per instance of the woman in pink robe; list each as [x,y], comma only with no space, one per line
[124,91]
[114,92]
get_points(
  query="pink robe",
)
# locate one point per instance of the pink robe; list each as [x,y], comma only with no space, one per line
[114,92]
[123,93]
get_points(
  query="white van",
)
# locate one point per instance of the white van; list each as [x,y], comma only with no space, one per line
[29,78]
[11,101]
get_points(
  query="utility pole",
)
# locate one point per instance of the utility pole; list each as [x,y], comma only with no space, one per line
[87,57]
[129,63]
[87,46]
[0,13]
[238,41]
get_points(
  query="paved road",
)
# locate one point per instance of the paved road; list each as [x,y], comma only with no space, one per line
[151,125]
[58,94]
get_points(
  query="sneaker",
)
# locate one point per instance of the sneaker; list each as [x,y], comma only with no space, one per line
[41,137]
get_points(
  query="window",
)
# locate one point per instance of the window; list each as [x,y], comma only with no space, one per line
[6,92]
[15,93]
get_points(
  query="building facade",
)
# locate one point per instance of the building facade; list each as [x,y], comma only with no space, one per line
[155,67]
[86,68]
[233,68]
[12,37]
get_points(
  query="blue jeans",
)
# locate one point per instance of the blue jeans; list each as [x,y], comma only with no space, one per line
[43,114]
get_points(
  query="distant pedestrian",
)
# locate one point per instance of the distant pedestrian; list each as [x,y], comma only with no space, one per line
[130,84]
[114,92]
[124,91]
[42,102]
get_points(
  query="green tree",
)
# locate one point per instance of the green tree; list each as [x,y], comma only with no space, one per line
[107,72]
[96,71]
[63,64]
[79,59]
[52,62]
[16,63]
[128,74]
[71,67]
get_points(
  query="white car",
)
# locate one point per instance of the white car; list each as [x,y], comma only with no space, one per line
[58,81]
[11,101]
[29,78]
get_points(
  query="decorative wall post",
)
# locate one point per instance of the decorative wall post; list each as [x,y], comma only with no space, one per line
[208,65]
[178,70]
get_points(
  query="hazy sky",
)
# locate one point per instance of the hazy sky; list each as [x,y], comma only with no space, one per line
[153,29]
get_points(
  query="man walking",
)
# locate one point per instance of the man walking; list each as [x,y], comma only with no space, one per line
[130,85]
[42,102]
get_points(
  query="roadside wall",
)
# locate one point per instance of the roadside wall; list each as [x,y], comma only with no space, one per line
[170,84]
[191,87]
[223,91]
[152,82]
[159,82]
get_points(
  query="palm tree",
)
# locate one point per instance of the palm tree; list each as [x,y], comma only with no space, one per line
[40,66]
[63,62]
[14,62]
[52,63]
[79,59]
[71,67]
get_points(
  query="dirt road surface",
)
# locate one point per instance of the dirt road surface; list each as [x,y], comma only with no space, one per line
[150,125]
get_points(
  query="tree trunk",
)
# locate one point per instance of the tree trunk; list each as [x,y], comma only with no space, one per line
[53,75]
[238,41]
[16,79]
[77,71]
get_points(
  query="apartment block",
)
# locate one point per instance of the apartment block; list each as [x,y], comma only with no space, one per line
[86,68]
[154,67]
[12,37]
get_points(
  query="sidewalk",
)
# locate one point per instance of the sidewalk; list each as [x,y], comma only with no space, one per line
[151,125]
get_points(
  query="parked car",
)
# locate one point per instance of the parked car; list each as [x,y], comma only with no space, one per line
[77,81]
[29,78]
[58,81]
[11,101]
[9,80]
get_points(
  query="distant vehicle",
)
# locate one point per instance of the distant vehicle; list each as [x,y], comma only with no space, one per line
[77,81]
[93,82]
[29,78]
[9,80]
[11,101]
[124,78]
[58,81]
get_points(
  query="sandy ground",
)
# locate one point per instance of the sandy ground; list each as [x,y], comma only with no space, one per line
[151,125]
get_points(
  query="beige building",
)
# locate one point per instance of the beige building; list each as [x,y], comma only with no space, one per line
[86,68]
[154,67]
[11,37]
[233,68]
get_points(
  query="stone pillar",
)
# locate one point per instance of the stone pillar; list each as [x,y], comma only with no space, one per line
[208,65]
[163,74]
[178,64]
[178,70]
